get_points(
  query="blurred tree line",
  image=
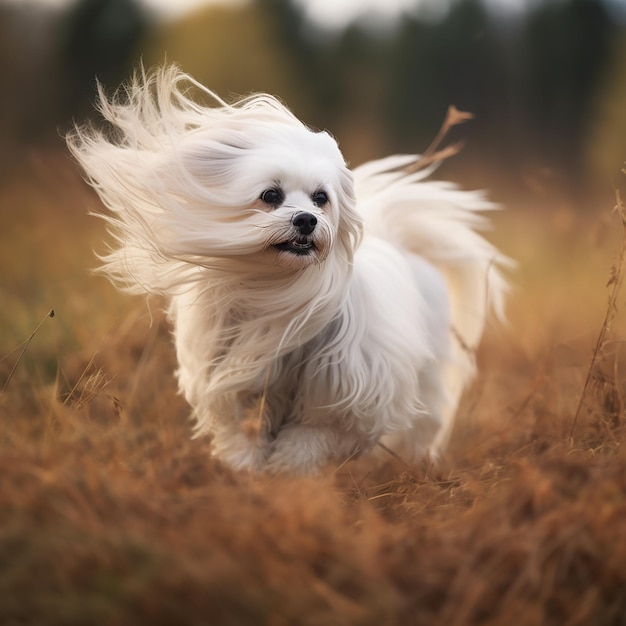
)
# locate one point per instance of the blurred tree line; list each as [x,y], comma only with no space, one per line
[548,89]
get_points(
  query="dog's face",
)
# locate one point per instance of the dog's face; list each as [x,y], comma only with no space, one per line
[275,194]
[301,187]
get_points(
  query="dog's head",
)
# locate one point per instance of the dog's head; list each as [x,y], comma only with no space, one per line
[274,191]
[245,187]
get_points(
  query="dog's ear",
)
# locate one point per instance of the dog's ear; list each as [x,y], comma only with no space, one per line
[210,157]
[350,220]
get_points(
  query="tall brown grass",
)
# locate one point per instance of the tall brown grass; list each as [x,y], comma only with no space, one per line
[111,514]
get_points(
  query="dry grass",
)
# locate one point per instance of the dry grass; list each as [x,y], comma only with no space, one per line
[111,514]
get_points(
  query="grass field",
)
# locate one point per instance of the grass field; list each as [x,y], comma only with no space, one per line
[111,514]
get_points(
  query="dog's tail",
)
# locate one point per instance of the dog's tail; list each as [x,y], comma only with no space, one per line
[439,222]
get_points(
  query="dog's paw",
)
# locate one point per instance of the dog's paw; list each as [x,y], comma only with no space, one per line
[241,450]
[298,450]
[305,449]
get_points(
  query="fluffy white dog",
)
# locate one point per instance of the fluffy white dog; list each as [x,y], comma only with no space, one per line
[316,310]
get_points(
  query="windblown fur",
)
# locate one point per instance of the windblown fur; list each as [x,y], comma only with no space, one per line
[316,311]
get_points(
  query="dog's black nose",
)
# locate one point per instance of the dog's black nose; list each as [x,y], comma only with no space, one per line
[305,222]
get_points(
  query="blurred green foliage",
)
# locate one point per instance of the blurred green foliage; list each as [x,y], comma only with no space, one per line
[546,88]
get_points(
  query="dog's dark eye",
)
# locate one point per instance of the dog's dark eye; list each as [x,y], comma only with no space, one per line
[273,196]
[320,198]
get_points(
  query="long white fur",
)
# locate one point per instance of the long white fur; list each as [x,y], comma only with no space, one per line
[368,338]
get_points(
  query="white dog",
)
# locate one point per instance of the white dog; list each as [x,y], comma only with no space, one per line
[316,310]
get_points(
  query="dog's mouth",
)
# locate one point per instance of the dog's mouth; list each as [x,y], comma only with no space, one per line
[300,246]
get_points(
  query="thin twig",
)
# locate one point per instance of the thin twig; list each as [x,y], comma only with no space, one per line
[432,154]
[266,385]
[616,278]
[85,371]
[398,458]
[24,348]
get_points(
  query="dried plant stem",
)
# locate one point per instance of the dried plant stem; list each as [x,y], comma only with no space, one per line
[85,373]
[432,154]
[396,456]
[616,278]
[266,384]
[23,350]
